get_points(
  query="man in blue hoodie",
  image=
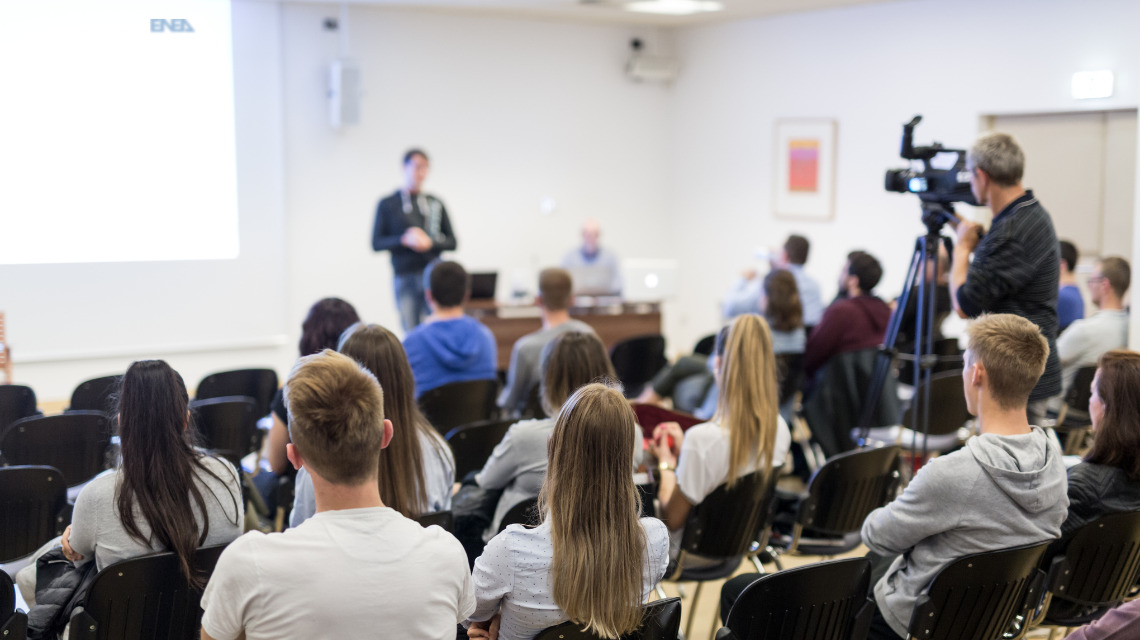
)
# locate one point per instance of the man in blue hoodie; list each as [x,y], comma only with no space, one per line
[1007,487]
[450,346]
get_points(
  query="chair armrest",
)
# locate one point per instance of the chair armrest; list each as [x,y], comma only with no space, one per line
[16,626]
[863,619]
[724,633]
[83,626]
[923,615]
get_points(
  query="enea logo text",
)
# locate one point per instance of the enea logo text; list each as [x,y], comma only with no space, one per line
[177,25]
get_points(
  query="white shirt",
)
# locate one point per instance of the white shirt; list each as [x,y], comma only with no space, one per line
[514,573]
[351,573]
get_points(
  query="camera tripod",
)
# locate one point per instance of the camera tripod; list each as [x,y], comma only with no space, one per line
[934,216]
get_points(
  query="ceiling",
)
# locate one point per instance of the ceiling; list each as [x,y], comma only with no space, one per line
[605,10]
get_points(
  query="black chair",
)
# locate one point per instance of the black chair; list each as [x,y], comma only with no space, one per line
[948,413]
[459,403]
[824,601]
[259,384]
[533,408]
[96,394]
[946,349]
[705,345]
[75,443]
[144,598]
[473,443]
[729,524]
[839,496]
[980,596]
[443,519]
[1096,570]
[16,402]
[1073,419]
[31,502]
[524,513]
[637,360]
[835,404]
[228,426]
[13,624]
[661,621]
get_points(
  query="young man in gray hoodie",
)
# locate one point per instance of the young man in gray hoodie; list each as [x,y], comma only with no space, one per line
[1006,488]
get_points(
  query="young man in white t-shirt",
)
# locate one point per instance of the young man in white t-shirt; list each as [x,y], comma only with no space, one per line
[356,569]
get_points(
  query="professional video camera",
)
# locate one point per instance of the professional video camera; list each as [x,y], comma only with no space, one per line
[943,178]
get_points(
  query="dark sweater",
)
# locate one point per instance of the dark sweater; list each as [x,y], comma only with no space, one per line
[1096,490]
[847,325]
[392,221]
[1015,270]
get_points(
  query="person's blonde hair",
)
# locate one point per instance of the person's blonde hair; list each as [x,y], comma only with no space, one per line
[569,361]
[1013,353]
[592,505]
[748,406]
[336,417]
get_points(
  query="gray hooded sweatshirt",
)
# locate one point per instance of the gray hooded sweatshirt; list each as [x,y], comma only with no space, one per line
[997,492]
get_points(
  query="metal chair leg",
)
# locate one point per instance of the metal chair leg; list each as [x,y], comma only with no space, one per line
[693,611]
[660,592]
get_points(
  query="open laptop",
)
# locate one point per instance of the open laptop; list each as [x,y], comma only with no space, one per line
[483,285]
[649,280]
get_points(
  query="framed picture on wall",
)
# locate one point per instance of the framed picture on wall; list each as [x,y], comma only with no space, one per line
[805,169]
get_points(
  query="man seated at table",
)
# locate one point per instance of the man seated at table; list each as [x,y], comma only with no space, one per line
[554,300]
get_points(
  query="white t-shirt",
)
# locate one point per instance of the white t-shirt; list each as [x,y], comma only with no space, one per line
[351,573]
[514,573]
[703,463]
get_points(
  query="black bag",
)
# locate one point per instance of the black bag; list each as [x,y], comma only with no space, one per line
[60,588]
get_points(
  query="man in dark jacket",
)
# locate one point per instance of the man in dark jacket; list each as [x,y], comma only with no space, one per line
[852,324]
[414,227]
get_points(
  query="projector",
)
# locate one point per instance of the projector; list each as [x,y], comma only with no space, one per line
[645,68]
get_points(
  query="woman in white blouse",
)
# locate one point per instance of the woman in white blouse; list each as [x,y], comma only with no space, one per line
[592,560]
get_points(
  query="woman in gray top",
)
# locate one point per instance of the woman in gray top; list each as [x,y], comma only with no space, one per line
[166,495]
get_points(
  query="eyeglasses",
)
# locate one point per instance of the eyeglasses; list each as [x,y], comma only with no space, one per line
[1096,279]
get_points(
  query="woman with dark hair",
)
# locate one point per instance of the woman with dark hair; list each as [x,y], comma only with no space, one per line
[784,312]
[326,320]
[166,495]
[417,468]
[1108,480]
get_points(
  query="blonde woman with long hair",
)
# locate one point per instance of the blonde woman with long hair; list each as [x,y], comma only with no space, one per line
[592,560]
[746,433]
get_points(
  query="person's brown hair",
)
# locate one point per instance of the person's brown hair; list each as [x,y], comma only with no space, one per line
[555,286]
[1118,273]
[327,318]
[336,417]
[448,283]
[1013,352]
[796,249]
[569,361]
[748,406]
[784,311]
[592,505]
[403,485]
[1117,441]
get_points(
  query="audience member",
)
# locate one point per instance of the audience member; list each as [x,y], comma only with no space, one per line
[746,295]
[357,568]
[853,323]
[596,270]
[746,434]
[592,560]
[1121,623]
[519,462]
[450,346]
[555,295]
[416,470]
[1005,488]
[1107,329]
[1070,303]
[1108,480]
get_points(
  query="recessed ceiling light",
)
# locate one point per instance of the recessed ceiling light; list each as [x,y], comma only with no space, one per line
[674,7]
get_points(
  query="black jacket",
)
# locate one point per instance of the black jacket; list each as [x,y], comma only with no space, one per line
[392,221]
[60,587]
[1096,490]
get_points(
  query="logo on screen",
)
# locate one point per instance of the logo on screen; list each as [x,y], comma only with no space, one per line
[158,25]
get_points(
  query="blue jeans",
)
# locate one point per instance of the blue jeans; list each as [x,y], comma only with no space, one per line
[410,299]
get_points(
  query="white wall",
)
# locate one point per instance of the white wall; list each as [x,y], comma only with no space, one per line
[869,68]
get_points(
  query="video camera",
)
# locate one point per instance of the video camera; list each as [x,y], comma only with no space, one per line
[943,178]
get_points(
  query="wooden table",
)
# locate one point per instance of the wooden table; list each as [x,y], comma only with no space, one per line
[612,322]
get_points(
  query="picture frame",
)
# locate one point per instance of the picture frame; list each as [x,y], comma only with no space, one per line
[805,169]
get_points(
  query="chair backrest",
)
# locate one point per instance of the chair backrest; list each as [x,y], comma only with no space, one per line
[637,360]
[473,443]
[13,624]
[848,487]
[31,499]
[705,345]
[525,513]
[75,443]
[948,411]
[661,621]
[1080,391]
[443,519]
[790,370]
[730,519]
[977,597]
[823,601]
[227,426]
[451,405]
[144,598]
[259,384]
[835,405]
[96,394]
[1101,561]
[16,401]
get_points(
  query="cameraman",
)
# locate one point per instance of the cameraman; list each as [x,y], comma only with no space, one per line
[1016,264]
